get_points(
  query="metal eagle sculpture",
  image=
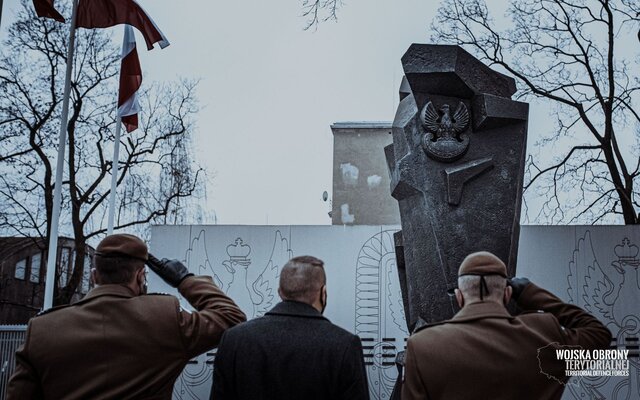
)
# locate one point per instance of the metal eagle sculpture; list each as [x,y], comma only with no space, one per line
[447,142]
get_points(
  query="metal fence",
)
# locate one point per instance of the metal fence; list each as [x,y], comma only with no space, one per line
[11,337]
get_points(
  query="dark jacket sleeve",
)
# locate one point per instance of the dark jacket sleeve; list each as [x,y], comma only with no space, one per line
[353,385]
[203,329]
[578,326]
[24,383]
[222,386]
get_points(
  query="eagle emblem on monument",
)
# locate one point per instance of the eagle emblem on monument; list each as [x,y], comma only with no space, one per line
[445,140]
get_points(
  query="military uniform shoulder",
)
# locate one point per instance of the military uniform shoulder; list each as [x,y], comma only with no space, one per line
[541,321]
[52,309]
[157,298]
[431,325]
[536,316]
[158,294]
[161,300]
[531,313]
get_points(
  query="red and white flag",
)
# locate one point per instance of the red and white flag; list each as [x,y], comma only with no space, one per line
[130,81]
[46,9]
[106,13]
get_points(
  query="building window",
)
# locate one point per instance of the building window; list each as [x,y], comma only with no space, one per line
[86,275]
[21,269]
[65,266]
[36,261]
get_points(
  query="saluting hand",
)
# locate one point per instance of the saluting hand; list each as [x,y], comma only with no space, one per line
[171,271]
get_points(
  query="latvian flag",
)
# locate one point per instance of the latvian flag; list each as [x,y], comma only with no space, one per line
[130,81]
[106,13]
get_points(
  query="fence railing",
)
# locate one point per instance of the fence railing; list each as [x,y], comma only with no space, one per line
[11,337]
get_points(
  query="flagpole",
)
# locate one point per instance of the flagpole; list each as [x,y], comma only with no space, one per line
[114,177]
[116,154]
[57,192]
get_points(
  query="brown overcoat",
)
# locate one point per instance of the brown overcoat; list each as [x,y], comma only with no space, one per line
[485,353]
[115,345]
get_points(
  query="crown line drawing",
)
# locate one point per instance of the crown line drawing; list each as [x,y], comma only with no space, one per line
[626,251]
[239,250]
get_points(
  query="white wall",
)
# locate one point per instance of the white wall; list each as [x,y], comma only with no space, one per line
[590,266]
[245,261]
[595,267]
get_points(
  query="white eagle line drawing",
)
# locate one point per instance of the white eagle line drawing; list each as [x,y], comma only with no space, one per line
[612,295]
[254,290]
[197,258]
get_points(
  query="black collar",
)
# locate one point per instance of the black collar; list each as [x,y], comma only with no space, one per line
[295,309]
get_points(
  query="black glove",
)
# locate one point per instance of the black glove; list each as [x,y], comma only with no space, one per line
[171,271]
[518,285]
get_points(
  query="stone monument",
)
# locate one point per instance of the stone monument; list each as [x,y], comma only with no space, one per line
[457,166]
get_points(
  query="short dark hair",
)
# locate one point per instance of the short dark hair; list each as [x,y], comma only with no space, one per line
[302,278]
[117,269]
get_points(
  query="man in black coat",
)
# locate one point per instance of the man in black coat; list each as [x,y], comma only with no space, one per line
[292,352]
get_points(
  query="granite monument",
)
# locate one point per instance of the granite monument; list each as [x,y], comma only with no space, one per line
[457,166]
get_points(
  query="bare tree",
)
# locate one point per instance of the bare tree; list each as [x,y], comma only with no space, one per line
[31,62]
[317,11]
[582,57]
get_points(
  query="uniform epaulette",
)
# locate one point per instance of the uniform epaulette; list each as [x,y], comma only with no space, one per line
[422,324]
[428,325]
[52,309]
[532,312]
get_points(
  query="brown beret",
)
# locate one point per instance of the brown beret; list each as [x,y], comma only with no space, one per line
[482,263]
[123,245]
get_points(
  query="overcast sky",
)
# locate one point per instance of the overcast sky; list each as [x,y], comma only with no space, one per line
[270,90]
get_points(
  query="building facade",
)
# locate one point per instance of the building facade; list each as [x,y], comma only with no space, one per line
[23,269]
[361,194]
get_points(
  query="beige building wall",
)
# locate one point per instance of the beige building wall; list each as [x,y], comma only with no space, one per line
[361,194]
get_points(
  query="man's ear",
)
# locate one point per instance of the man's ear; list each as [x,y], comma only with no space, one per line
[459,297]
[508,291]
[280,294]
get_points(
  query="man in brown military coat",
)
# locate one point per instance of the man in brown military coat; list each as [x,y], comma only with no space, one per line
[117,342]
[485,353]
